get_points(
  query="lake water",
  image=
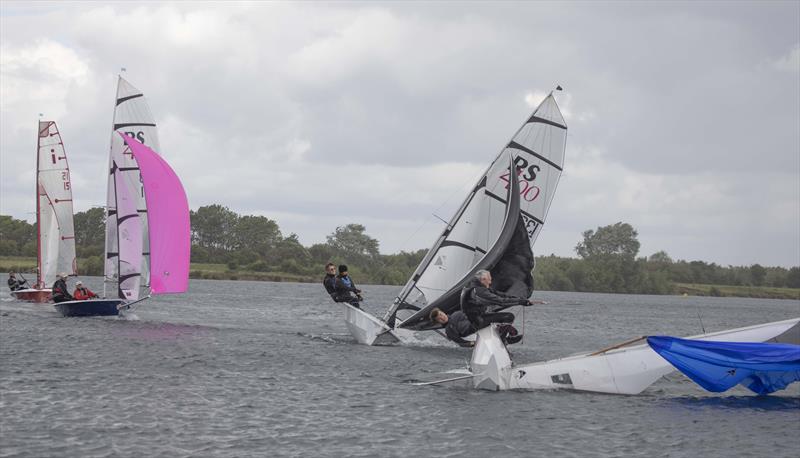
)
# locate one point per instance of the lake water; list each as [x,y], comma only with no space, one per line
[268,369]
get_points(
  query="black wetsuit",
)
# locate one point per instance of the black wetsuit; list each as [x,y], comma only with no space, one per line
[15,285]
[329,282]
[346,291]
[476,299]
[60,292]
[458,327]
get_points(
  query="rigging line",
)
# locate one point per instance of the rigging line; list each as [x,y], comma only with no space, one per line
[700,318]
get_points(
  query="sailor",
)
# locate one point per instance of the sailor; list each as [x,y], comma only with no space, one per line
[346,290]
[457,326]
[478,296]
[60,292]
[329,282]
[14,284]
[82,293]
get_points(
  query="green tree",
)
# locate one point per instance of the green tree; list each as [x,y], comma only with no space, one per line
[213,227]
[793,278]
[352,243]
[19,236]
[90,232]
[614,240]
[256,234]
[757,272]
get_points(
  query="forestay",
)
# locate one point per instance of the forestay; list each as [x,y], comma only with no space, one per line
[133,118]
[537,150]
[54,207]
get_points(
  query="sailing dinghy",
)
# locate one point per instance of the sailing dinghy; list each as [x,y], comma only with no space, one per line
[55,234]
[620,369]
[147,222]
[494,229]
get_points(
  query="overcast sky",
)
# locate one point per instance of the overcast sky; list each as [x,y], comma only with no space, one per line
[684,117]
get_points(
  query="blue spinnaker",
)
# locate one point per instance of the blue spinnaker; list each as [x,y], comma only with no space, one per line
[718,366]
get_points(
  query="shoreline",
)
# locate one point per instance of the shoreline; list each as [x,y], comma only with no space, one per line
[202,271]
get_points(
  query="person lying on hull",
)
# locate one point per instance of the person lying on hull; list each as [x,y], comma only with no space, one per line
[346,290]
[82,293]
[457,326]
[14,284]
[60,291]
[478,296]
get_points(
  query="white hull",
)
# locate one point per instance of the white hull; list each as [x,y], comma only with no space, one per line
[627,370]
[367,329]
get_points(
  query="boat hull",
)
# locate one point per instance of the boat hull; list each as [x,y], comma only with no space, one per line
[41,296]
[627,370]
[92,307]
[367,329]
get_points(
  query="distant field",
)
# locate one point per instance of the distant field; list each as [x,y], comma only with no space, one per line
[765,292]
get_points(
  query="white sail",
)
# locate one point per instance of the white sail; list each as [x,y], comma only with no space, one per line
[54,207]
[132,117]
[537,149]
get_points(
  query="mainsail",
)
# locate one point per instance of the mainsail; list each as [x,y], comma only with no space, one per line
[132,117]
[56,241]
[537,152]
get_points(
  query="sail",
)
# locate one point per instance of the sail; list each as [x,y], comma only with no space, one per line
[450,301]
[127,229]
[54,207]
[537,150]
[718,366]
[168,218]
[132,117]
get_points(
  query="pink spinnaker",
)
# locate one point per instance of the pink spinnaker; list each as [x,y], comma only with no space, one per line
[168,221]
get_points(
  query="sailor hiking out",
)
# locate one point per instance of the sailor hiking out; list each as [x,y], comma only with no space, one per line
[14,284]
[478,298]
[346,290]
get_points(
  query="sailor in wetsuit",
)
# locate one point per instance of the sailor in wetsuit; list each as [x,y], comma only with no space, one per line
[457,326]
[60,291]
[346,290]
[478,296]
[14,284]
[329,282]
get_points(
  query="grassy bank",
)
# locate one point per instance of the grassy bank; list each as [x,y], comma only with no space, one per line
[222,272]
[764,292]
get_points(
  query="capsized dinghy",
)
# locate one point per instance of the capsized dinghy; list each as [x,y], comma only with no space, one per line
[494,229]
[617,369]
[719,366]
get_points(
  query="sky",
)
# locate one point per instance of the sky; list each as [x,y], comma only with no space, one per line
[684,117]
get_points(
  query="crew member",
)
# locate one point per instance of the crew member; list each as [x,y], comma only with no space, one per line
[478,296]
[329,282]
[457,326]
[60,292]
[14,284]
[346,290]
[82,293]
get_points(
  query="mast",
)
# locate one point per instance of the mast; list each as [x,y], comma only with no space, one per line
[38,209]
[110,165]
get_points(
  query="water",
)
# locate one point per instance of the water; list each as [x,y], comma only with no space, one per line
[268,369]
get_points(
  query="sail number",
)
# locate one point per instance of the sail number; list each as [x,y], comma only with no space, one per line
[527,190]
[65,178]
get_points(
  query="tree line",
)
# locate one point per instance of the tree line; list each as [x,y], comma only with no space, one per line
[608,256]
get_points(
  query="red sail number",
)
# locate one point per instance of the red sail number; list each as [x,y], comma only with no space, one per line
[528,191]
